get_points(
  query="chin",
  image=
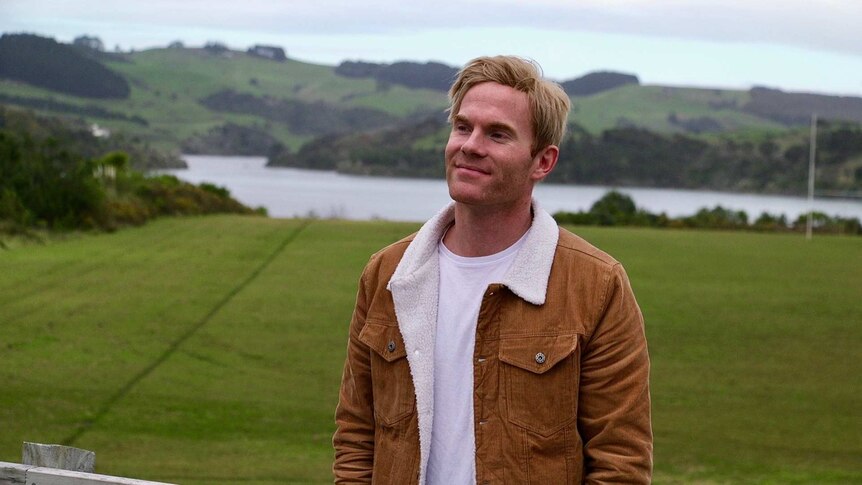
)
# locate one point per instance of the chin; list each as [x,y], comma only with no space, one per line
[464,195]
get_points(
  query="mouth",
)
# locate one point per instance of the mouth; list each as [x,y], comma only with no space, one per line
[470,169]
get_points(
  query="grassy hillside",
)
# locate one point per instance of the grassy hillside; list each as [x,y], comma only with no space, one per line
[651,106]
[168,83]
[209,350]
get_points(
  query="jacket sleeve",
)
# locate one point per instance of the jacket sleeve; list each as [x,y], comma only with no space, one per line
[614,398]
[354,416]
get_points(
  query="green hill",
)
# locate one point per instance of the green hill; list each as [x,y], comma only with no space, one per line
[354,116]
[669,109]
[170,102]
[209,350]
[167,86]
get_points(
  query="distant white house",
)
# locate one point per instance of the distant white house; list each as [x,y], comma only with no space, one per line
[99,132]
[270,52]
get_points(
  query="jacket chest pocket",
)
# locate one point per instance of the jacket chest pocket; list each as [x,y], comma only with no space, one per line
[392,385]
[540,375]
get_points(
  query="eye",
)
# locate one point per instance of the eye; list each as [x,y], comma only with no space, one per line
[461,128]
[499,136]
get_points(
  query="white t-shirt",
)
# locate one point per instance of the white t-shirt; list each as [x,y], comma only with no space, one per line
[463,282]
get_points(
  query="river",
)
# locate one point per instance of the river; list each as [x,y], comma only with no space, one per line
[289,192]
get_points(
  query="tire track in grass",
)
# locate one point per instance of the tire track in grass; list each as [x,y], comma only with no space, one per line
[85,425]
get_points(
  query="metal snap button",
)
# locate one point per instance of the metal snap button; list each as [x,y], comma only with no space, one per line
[391,346]
[540,358]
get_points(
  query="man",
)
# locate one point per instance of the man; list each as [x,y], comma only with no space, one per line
[493,346]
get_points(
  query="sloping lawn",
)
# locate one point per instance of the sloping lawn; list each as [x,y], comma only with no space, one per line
[209,350]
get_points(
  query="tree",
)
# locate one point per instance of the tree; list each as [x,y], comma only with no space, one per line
[614,208]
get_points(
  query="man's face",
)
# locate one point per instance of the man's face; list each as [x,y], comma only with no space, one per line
[488,156]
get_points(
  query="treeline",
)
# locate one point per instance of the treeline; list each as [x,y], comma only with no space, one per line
[772,164]
[597,82]
[618,209]
[68,108]
[439,77]
[77,136]
[391,152]
[301,117]
[233,139]
[796,108]
[48,182]
[627,156]
[429,75]
[48,64]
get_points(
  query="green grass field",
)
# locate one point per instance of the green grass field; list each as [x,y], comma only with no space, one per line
[209,350]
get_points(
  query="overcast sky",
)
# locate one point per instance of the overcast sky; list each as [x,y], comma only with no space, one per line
[796,45]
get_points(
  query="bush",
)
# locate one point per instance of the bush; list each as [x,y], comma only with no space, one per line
[215,189]
[717,218]
[616,209]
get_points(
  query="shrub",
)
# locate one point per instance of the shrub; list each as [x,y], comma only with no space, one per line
[614,209]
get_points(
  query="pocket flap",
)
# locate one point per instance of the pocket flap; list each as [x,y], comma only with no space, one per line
[384,339]
[537,354]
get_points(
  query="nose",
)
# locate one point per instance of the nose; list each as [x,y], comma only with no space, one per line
[474,145]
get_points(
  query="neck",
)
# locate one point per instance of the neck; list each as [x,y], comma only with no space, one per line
[482,231]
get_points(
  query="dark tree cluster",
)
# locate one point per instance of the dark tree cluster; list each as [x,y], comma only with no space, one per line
[797,108]
[627,156]
[49,179]
[636,157]
[45,63]
[77,136]
[358,69]
[391,152]
[301,117]
[231,139]
[430,75]
[597,82]
[44,104]
[618,209]
[215,48]
[697,124]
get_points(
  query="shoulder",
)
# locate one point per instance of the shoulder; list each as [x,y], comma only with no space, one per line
[381,265]
[576,250]
[389,256]
[589,281]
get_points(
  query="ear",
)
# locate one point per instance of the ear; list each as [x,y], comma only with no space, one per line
[544,162]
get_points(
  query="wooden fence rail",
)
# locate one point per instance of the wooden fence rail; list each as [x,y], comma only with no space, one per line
[15,474]
[44,465]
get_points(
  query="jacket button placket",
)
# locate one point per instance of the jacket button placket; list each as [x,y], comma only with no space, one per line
[480,395]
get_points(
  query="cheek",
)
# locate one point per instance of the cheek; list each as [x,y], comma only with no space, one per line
[452,147]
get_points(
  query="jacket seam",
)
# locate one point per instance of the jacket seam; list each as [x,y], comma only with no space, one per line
[606,260]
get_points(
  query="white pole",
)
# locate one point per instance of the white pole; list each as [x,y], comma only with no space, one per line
[811,155]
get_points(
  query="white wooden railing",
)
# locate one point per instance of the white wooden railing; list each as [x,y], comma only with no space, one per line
[43,465]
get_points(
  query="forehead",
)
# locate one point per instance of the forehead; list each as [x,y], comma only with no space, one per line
[496,103]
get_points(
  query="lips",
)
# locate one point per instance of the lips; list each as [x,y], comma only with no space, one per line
[470,168]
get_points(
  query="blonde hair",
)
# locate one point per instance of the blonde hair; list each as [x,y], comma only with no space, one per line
[549,104]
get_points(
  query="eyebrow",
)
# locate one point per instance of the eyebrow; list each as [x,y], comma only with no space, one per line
[459,119]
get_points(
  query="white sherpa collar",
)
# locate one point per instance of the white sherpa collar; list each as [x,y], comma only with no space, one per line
[528,276]
[415,284]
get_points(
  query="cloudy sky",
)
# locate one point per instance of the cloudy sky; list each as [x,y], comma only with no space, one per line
[796,45]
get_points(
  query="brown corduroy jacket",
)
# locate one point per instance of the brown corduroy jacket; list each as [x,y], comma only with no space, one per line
[560,367]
